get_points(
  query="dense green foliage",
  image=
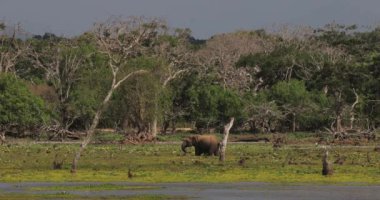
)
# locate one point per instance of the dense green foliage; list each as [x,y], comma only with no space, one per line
[327,78]
[299,105]
[18,106]
[212,106]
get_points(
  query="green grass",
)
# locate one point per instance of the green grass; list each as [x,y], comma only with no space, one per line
[11,196]
[94,187]
[299,135]
[107,137]
[174,137]
[166,163]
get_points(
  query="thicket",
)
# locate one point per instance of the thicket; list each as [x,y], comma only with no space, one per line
[305,80]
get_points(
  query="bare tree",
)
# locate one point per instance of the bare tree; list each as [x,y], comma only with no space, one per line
[265,116]
[178,56]
[11,48]
[219,57]
[120,40]
[61,61]
[299,41]
[221,53]
[178,60]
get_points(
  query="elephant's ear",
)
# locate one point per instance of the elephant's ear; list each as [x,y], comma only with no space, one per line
[187,141]
[194,139]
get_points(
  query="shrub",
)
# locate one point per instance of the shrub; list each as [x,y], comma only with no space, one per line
[18,106]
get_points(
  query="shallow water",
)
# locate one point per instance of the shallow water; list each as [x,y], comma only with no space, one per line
[242,190]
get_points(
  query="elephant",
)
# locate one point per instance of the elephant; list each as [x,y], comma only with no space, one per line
[203,144]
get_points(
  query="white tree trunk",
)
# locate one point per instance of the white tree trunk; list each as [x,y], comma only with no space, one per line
[154,122]
[294,122]
[339,126]
[223,145]
[154,127]
[352,111]
[338,112]
[154,130]
[91,130]
[98,114]
[2,137]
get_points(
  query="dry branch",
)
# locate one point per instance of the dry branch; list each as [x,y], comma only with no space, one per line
[121,40]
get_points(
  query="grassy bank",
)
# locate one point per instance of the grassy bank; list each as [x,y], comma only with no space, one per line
[165,163]
[71,196]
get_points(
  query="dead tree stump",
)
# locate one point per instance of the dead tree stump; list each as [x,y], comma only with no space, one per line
[2,138]
[327,167]
[58,163]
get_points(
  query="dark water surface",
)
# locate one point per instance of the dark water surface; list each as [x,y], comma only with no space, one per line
[220,191]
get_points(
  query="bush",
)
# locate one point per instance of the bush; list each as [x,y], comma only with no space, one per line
[212,105]
[18,106]
[300,106]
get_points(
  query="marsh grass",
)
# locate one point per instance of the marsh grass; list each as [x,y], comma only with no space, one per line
[166,163]
[93,187]
[9,196]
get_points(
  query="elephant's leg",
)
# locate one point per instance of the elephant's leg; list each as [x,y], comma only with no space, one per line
[198,152]
[210,152]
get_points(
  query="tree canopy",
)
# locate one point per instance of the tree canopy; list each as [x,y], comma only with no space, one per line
[305,80]
[18,106]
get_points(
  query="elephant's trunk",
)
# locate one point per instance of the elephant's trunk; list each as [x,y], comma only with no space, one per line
[184,145]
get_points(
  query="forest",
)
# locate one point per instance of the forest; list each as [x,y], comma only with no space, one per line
[142,78]
[121,96]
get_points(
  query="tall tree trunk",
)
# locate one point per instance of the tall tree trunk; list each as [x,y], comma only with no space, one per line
[98,114]
[174,127]
[338,111]
[2,137]
[165,126]
[223,145]
[155,117]
[352,111]
[339,123]
[294,122]
[65,124]
[352,120]
[91,130]
[154,127]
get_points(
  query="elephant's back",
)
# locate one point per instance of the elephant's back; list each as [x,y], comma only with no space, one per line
[208,140]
